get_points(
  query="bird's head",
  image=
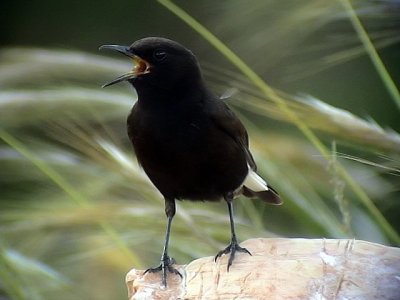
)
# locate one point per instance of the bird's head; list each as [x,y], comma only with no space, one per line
[158,63]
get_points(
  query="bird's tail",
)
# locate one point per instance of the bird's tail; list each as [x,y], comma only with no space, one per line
[255,187]
[270,196]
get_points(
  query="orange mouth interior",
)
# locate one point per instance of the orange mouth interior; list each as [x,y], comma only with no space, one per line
[140,66]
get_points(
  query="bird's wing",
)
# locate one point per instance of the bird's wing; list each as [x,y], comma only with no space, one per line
[254,185]
[225,119]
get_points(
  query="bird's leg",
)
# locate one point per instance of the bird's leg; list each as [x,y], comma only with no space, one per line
[233,246]
[166,261]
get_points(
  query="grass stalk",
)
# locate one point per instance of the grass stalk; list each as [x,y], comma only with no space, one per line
[64,185]
[371,51]
[9,278]
[270,93]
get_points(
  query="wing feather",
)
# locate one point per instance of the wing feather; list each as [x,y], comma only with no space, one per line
[225,119]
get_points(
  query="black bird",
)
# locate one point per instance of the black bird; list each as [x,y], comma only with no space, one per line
[188,141]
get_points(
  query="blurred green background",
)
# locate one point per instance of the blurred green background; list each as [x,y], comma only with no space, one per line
[76,211]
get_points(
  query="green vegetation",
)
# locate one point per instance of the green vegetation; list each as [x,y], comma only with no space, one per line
[77,212]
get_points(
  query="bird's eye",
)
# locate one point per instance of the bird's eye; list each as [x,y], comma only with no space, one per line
[160,55]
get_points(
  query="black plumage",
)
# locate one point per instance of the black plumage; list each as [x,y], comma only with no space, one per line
[188,141]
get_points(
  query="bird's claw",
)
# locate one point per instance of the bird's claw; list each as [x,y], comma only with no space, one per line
[166,265]
[232,248]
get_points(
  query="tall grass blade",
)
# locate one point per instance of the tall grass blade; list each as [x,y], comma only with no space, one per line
[373,54]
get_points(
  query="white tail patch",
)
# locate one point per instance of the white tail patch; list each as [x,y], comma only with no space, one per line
[254,182]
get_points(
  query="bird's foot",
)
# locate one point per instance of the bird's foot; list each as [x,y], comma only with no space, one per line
[166,265]
[232,248]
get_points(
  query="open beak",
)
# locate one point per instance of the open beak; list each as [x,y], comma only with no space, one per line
[140,66]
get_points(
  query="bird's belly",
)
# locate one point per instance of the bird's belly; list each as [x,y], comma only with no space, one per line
[193,163]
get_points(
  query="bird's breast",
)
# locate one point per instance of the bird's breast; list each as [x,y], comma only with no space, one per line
[186,156]
[165,139]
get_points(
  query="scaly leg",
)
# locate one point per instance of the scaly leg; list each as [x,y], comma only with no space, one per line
[166,261]
[233,246]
